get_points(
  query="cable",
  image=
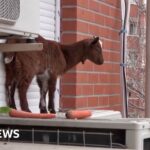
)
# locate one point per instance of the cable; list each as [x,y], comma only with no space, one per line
[123,65]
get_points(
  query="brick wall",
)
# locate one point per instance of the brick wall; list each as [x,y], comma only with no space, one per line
[89,85]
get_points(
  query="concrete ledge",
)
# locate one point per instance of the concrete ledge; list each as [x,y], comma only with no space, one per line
[123,123]
[19,47]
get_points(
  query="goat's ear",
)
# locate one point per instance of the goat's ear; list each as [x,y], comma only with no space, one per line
[95,40]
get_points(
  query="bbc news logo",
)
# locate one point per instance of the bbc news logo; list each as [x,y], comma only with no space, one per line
[9,133]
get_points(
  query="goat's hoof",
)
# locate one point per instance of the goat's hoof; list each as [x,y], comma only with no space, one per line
[43,111]
[52,111]
[27,110]
[12,106]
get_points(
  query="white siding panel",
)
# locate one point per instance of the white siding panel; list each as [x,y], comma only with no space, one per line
[52,2]
[2,76]
[2,90]
[47,7]
[47,35]
[46,27]
[2,82]
[47,22]
[48,19]
[47,14]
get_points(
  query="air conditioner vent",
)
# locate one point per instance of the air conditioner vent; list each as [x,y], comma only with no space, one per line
[9,11]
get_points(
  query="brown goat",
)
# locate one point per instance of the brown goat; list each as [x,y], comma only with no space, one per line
[54,60]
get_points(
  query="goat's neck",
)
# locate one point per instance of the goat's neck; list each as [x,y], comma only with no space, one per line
[73,53]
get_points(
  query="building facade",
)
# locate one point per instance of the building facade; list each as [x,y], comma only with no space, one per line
[87,86]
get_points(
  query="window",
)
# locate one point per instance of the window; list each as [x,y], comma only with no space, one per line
[133,28]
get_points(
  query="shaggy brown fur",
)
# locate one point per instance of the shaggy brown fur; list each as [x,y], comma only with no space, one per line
[55,59]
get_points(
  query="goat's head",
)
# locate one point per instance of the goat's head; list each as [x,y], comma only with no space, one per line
[94,51]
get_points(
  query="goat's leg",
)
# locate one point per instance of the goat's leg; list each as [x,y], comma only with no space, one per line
[43,85]
[10,83]
[10,92]
[51,90]
[22,89]
[10,86]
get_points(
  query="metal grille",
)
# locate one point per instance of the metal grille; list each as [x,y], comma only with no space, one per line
[9,11]
[68,136]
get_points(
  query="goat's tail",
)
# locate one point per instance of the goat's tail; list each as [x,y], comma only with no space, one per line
[8,57]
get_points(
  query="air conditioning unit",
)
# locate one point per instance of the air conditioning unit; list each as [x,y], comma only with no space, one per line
[19,17]
[109,133]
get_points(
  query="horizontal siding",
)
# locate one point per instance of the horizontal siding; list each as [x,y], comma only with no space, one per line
[48,18]
[52,2]
[2,82]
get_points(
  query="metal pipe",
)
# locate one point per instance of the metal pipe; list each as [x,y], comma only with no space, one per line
[125,7]
[147,82]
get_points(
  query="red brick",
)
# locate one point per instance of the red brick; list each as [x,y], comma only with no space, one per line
[113,100]
[69,2]
[100,89]
[94,5]
[106,89]
[114,3]
[114,35]
[93,77]
[68,89]
[68,38]
[101,18]
[82,26]
[111,56]
[69,26]
[85,15]
[134,11]
[115,108]
[108,67]
[104,9]
[116,13]
[69,78]
[111,45]
[103,101]
[113,89]
[82,102]
[93,101]
[82,78]
[68,103]
[103,78]
[87,89]
[69,12]
[81,37]
[114,78]
[113,23]
[83,3]
[104,32]
[87,66]
[77,90]
[94,30]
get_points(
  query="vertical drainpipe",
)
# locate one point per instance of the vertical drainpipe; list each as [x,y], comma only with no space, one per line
[147,82]
[125,11]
